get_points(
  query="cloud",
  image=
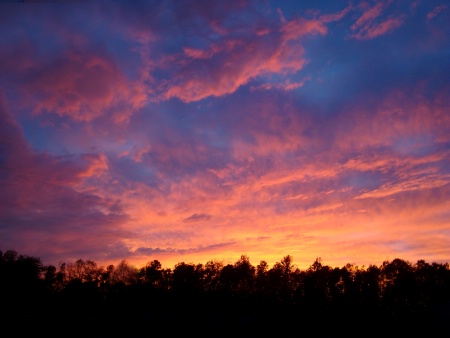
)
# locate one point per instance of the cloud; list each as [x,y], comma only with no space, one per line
[224,67]
[197,218]
[153,251]
[436,11]
[370,14]
[70,75]
[165,253]
[207,248]
[382,28]
[241,121]
[419,184]
[276,178]
[98,165]
[369,26]
[335,16]
[44,208]
[83,87]
[286,86]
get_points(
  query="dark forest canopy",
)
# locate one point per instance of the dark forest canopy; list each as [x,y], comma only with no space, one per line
[239,298]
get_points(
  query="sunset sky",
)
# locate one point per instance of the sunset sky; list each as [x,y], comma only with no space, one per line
[200,130]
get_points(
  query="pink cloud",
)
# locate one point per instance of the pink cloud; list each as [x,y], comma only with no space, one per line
[335,16]
[408,116]
[245,199]
[403,174]
[295,29]
[233,203]
[281,170]
[436,11]
[340,219]
[83,85]
[207,54]
[370,15]
[382,28]
[98,164]
[46,208]
[369,25]
[420,183]
[241,61]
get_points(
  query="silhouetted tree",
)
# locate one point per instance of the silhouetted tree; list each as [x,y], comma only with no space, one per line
[124,273]
[369,283]
[50,276]
[283,277]
[22,292]
[187,277]
[20,273]
[317,287]
[244,275]
[235,299]
[152,274]
[85,271]
[211,277]
[261,276]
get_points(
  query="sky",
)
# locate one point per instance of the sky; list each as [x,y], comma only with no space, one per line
[190,131]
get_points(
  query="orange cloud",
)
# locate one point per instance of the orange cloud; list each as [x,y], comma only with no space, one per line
[98,164]
[345,174]
[309,206]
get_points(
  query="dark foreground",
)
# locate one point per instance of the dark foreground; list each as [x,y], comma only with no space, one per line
[194,300]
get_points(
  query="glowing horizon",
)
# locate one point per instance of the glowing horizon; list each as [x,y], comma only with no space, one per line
[194,131]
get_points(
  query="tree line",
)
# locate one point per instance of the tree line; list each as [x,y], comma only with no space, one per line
[222,300]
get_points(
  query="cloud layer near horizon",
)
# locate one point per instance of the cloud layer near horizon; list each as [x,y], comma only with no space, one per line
[190,131]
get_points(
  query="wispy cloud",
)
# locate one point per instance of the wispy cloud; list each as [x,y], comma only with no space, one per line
[197,218]
[224,67]
[436,11]
[372,23]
